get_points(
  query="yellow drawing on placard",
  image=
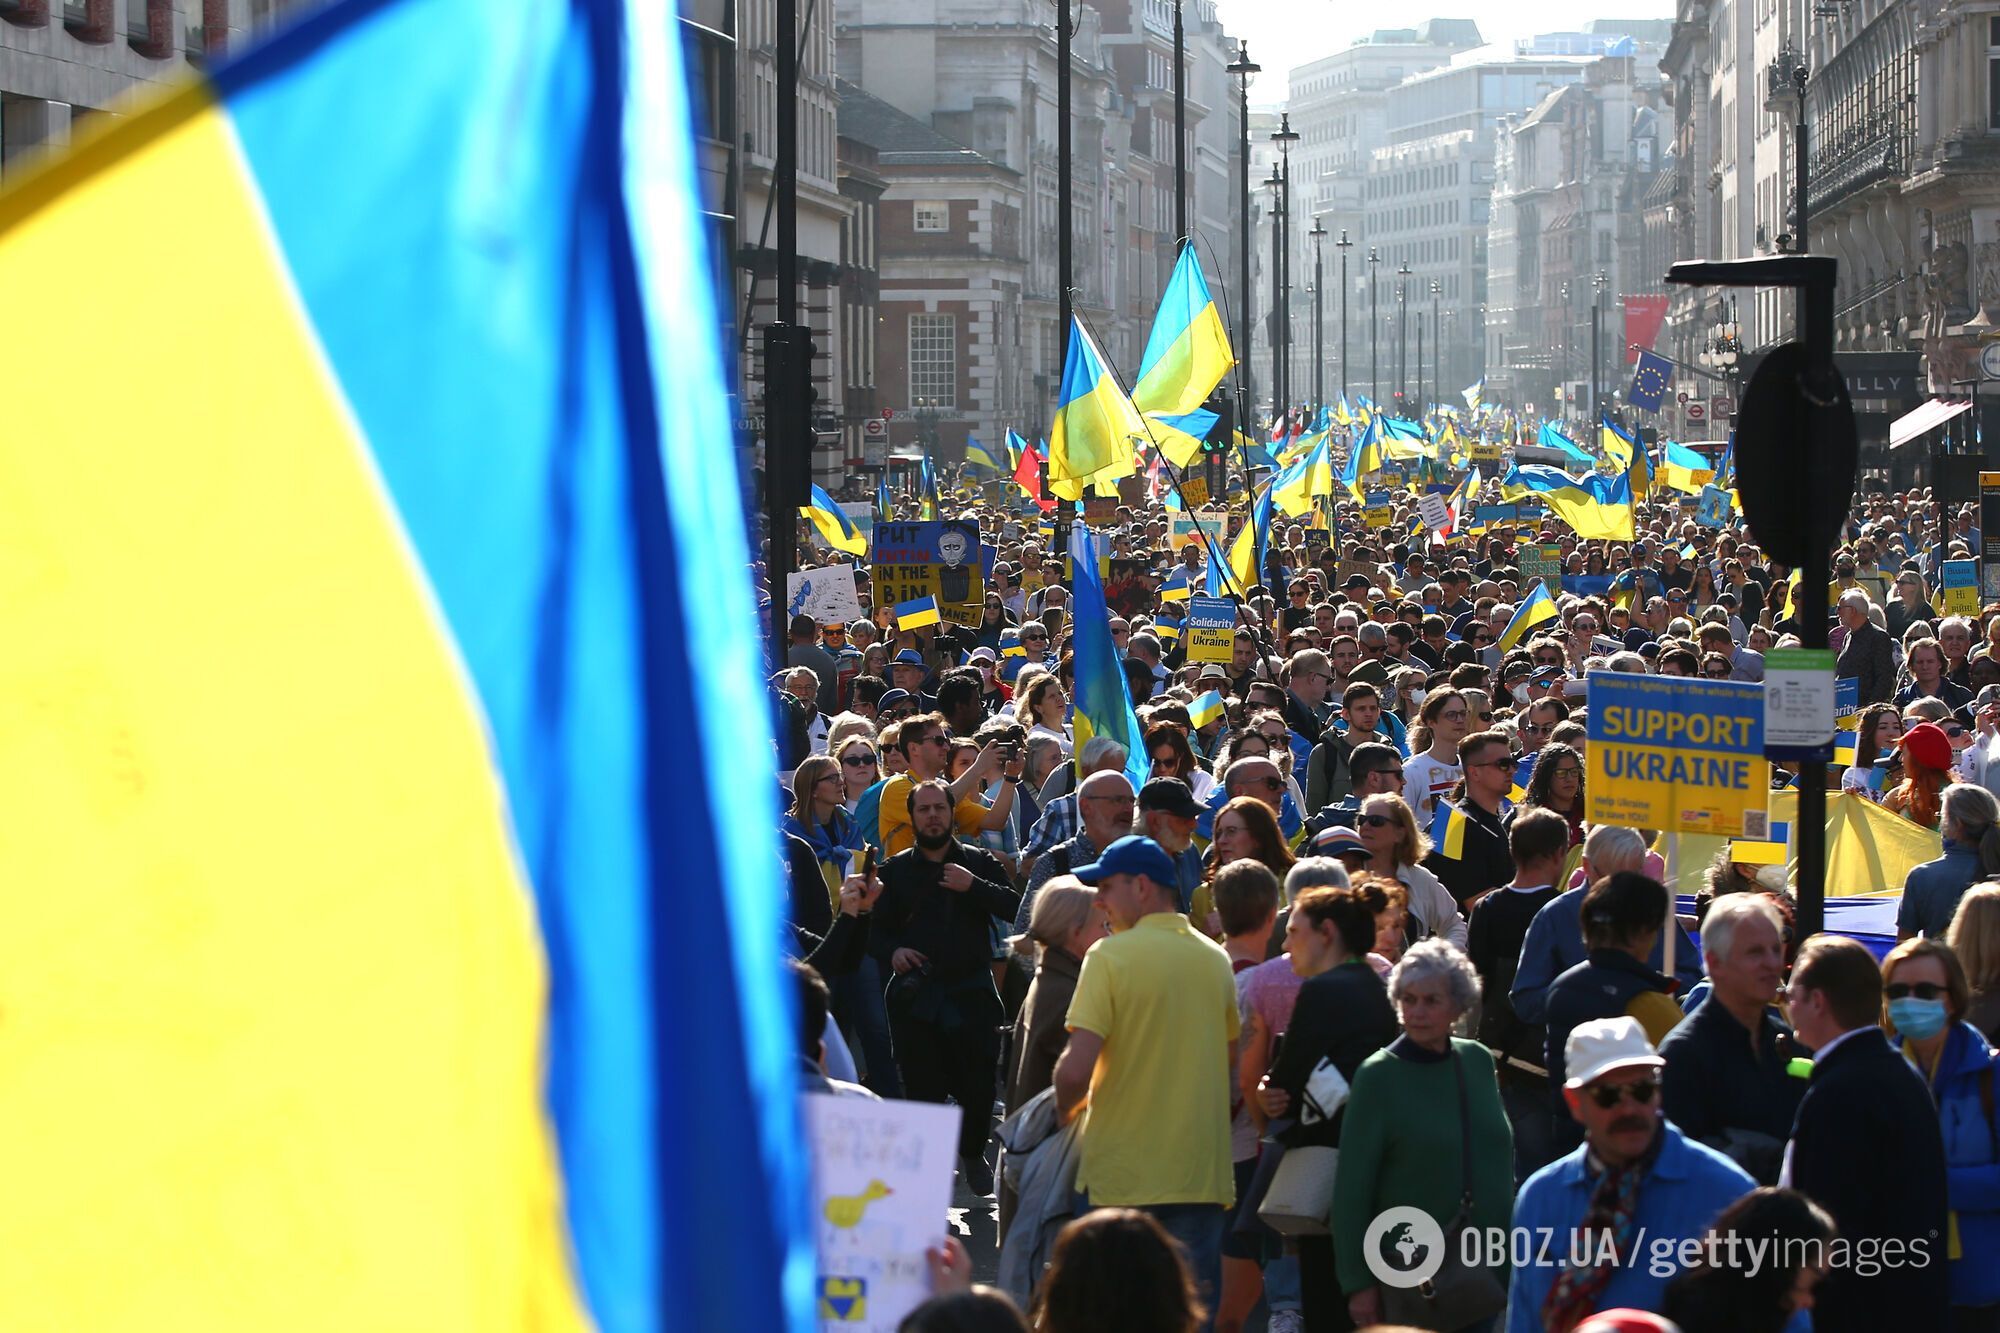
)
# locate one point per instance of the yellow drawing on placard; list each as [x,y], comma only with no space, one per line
[845,1210]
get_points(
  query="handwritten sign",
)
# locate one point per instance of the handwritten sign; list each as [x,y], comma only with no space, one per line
[1544,563]
[827,595]
[881,1191]
[1194,491]
[1433,510]
[1958,589]
[942,560]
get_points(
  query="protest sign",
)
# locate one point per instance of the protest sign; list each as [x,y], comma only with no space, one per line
[1800,701]
[1587,585]
[1210,629]
[1714,508]
[1375,509]
[1497,513]
[1347,569]
[1433,510]
[1194,491]
[1183,525]
[943,560]
[1958,589]
[1100,511]
[1542,562]
[1486,451]
[881,1188]
[827,595]
[1847,703]
[1682,755]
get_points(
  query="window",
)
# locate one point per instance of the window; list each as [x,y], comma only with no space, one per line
[934,360]
[932,216]
[1993,73]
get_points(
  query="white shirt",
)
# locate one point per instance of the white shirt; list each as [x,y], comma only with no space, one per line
[1425,780]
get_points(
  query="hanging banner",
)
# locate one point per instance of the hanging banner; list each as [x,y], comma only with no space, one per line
[1643,317]
[1682,755]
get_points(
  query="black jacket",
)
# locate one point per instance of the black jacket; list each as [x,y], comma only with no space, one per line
[1486,863]
[1493,943]
[1601,986]
[1342,1015]
[953,931]
[1721,1077]
[1866,1145]
[1865,657]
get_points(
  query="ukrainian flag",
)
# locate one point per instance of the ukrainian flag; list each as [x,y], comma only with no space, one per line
[1246,553]
[1472,393]
[1535,609]
[1095,422]
[1598,507]
[1186,356]
[978,455]
[1552,437]
[885,507]
[1630,456]
[1364,458]
[928,510]
[1295,488]
[1447,831]
[1684,469]
[1103,700]
[370,711]
[1166,627]
[1401,439]
[836,529]
[917,613]
[1205,709]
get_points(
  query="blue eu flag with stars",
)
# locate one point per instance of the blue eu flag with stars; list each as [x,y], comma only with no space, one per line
[1649,382]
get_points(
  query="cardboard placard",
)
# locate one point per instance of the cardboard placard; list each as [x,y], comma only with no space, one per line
[944,560]
[1194,491]
[827,595]
[1541,562]
[1210,630]
[1958,588]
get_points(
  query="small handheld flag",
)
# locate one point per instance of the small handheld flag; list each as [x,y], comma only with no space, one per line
[835,528]
[1206,709]
[917,613]
[1534,610]
[1447,831]
[1166,627]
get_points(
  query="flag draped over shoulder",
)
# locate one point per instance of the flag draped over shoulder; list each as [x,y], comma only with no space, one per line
[378,738]
[1102,697]
[1096,424]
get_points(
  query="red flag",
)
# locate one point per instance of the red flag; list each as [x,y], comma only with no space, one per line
[1643,317]
[1028,476]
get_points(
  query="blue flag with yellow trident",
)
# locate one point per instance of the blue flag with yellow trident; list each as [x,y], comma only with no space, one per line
[372,751]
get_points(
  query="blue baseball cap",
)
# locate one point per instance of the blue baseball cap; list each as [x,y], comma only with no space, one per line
[1132,854]
[910,657]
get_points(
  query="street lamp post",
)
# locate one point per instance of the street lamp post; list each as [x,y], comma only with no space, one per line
[1180,133]
[1243,67]
[1562,294]
[1318,234]
[1418,409]
[1065,223]
[1285,136]
[1276,184]
[1403,332]
[1598,282]
[1343,245]
[1437,338]
[1374,347]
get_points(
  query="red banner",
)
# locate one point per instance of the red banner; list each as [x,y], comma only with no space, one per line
[1643,317]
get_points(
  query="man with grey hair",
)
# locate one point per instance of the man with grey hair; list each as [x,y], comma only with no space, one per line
[1865,656]
[1107,805]
[1955,638]
[1058,823]
[1314,872]
[1732,1094]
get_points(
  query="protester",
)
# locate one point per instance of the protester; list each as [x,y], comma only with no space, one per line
[1927,996]
[1720,1294]
[1970,821]
[1424,1126]
[1396,847]
[1634,1176]
[933,931]
[1151,1028]
[1475,860]
[1557,785]
[1927,771]
[1064,924]
[1875,735]
[1430,775]
[1867,1147]
[1245,828]
[1727,1081]
[1975,937]
[1118,1268]
[1107,805]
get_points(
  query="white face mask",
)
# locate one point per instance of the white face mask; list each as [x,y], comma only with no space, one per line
[1520,693]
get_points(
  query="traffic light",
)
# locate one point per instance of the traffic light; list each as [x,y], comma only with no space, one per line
[1223,433]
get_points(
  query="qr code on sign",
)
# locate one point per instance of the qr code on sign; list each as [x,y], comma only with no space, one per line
[1757,824]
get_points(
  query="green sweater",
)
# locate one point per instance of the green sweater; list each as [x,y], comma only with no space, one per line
[1400,1145]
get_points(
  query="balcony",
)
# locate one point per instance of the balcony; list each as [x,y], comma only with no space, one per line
[1862,112]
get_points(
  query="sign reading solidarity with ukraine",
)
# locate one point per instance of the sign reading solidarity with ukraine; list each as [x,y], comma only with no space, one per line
[1210,630]
[942,560]
[1678,754]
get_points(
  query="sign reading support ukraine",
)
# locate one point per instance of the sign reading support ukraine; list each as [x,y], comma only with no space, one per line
[1677,754]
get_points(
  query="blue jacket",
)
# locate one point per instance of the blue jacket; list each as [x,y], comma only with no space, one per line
[1687,1187]
[1555,945]
[1932,891]
[1972,1164]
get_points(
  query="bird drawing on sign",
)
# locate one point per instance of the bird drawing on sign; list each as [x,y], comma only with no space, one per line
[845,1210]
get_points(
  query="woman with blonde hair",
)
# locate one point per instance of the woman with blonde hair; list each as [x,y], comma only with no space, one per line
[819,816]
[1975,937]
[1062,926]
[1396,848]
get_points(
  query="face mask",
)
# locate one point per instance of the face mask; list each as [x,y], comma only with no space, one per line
[1520,693]
[1919,1020]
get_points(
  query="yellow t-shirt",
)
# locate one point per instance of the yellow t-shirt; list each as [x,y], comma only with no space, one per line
[1156,1130]
[897,833]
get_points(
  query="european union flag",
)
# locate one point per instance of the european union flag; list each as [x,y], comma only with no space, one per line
[1650,381]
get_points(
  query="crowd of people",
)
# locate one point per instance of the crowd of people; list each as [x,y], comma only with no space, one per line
[1238,996]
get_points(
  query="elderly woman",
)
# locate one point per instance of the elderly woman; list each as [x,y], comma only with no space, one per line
[1064,924]
[1424,1123]
[1926,996]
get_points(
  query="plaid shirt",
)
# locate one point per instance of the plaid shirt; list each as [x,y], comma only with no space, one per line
[1058,824]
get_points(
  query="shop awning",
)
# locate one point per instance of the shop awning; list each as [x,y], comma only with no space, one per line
[1923,417]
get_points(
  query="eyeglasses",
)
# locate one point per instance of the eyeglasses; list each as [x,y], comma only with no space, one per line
[1452,715]
[1565,773]
[1922,990]
[1376,821]
[1165,759]
[1034,638]
[1586,627]
[1277,737]
[1641,1091]
[858,760]
[1504,761]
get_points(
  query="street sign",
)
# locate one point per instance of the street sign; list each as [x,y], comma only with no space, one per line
[1697,410]
[875,429]
[1722,407]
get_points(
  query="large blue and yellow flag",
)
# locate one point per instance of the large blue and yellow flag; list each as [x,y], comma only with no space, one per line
[1309,477]
[835,528]
[371,714]
[1598,507]
[1096,424]
[1103,700]
[1683,469]
[1246,553]
[978,455]
[1186,356]
[1535,609]
[1364,457]
[1627,454]
[1552,437]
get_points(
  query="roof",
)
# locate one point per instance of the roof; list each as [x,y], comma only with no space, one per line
[1546,107]
[900,139]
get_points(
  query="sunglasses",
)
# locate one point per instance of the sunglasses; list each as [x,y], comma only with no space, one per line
[1534,729]
[1608,1095]
[1953,732]
[1270,784]
[1034,638]
[1548,661]
[1716,675]
[1376,821]
[858,760]
[1922,990]
[1278,737]
[1478,639]
[1504,761]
